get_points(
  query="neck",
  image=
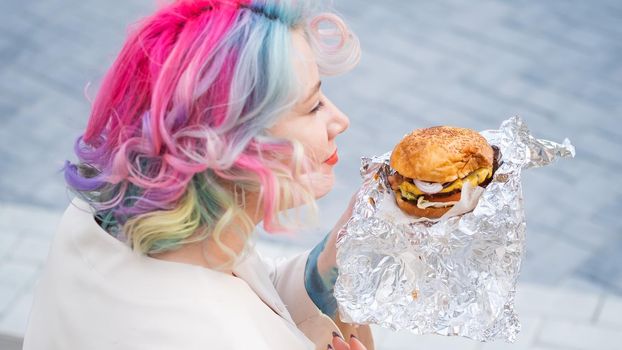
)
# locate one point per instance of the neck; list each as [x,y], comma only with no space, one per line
[207,253]
[204,253]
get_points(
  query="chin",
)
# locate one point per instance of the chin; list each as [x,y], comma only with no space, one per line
[319,183]
[319,193]
[323,184]
[322,181]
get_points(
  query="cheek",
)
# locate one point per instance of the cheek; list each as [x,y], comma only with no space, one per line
[311,131]
[316,147]
[313,136]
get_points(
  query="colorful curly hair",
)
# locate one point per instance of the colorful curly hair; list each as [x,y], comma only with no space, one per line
[178,127]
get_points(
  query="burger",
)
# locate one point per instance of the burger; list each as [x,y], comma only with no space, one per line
[432,164]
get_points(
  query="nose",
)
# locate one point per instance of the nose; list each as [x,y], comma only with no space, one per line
[338,121]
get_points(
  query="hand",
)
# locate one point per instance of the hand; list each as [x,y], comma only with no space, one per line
[320,276]
[328,256]
[340,344]
[362,332]
[321,268]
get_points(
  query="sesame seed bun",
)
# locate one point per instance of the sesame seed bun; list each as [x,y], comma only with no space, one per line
[441,154]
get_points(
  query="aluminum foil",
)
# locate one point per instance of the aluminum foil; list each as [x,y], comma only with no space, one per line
[452,276]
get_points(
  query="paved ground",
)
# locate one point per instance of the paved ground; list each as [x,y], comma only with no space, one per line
[473,64]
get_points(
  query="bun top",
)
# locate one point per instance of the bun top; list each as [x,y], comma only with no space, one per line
[441,154]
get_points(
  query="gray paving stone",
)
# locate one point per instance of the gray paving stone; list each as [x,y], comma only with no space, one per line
[8,239]
[8,342]
[402,340]
[567,335]
[551,264]
[530,327]
[557,304]
[28,220]
[8,295]
[603,267]
[607,148]
[610,213]
[31,250]
[17,275]
[610,315]
[581,285]
[587,232]
[16,319]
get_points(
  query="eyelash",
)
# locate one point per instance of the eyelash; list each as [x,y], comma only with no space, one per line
[317,108]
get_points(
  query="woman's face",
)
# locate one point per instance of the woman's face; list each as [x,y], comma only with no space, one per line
[315,121]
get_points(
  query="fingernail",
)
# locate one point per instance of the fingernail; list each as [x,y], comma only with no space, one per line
[335,334]
[329,347]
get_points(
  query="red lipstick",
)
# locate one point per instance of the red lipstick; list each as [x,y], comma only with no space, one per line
[333,159]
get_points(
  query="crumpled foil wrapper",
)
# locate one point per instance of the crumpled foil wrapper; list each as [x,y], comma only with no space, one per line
[452,276]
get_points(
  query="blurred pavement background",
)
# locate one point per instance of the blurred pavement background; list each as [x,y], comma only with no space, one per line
[555,63]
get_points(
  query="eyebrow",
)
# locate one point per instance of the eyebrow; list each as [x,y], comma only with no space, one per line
[315,89]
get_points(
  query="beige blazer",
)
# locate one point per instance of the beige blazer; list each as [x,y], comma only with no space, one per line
[96,294]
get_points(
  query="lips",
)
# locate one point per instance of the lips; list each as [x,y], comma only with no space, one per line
[333,159]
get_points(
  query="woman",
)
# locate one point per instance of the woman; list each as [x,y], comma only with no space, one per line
[210,121]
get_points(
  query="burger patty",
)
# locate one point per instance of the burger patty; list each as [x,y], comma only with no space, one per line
[438,195]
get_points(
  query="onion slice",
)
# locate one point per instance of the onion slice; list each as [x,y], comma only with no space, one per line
[428,187]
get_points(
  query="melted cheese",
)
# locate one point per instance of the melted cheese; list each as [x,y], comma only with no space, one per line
[422,203]
[411,192]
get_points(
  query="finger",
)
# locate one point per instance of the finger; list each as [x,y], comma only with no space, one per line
[339,343]
[352,199]
[355,344]
[351,205]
